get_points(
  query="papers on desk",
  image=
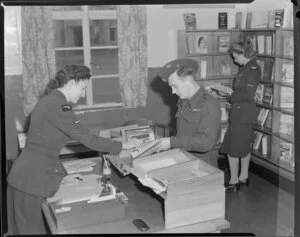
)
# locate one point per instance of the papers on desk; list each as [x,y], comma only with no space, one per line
[76,166]
[76,188]
[157,185]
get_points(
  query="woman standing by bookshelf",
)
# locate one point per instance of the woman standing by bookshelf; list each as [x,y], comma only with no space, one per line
[243,113]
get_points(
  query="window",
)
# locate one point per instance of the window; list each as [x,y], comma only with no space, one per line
[88,35]
[12,41]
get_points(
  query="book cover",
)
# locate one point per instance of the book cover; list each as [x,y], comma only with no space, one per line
[257,136]
[248,20]
[201,44]
[286,97]
[225,68]
[259,93]
[286,124]
[223,43]
[252,39]
[288,46]
[190,21]
[222,20]
[287,73]
[268,94]
[279,13]
[238,20]
[285,151]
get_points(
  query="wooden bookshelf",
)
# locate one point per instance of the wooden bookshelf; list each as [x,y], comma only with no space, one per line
[277,61]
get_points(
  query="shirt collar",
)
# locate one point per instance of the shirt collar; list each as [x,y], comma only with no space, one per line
[193,101]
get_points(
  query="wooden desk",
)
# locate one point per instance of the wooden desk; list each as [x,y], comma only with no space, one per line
[144,204]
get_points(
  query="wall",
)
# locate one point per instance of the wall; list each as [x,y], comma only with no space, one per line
[163,23]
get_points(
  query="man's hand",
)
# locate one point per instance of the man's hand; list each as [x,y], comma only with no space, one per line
[164,144]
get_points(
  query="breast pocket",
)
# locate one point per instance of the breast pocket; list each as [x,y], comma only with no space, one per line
[191,121]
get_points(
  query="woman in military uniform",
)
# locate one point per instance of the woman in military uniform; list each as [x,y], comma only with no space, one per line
[37,172]
[237,140]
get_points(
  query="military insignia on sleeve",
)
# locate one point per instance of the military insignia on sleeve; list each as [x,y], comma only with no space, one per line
[66,107]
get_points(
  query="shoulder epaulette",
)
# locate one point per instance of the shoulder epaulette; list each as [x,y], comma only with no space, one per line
[253,67]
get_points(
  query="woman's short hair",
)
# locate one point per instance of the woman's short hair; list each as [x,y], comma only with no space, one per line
[67,73]
[245,48]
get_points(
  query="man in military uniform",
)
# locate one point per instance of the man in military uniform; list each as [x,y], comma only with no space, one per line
[198,115]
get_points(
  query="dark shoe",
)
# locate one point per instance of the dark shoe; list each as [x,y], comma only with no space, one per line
[233,187]
[244,182]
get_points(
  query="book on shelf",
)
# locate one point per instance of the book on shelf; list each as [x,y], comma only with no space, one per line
[268,69]
[271,19]
[288,45]
[257,136]
[222,20]
[260,43]
[259,19]
[202,66]
[259,93]
[268,122]
[248,20]
[286,97]
[287,72]
[190,21]
[279,14]
[265,144]
[269,44]
[238,20]
[201,44]
[286,124]
[231,20]
[286,150]
[261,64]
[268,95]
[223,43]
[262,116]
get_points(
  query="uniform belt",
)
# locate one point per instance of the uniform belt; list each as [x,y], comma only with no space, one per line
[41,150]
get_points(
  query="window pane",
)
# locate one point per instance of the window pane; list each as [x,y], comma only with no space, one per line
[66,8]
[68,33]
[68,57]
[103,32]
[103,7]
[106,90]
[107,59]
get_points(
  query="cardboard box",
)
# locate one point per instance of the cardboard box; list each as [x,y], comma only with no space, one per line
[194,189]
[80,214]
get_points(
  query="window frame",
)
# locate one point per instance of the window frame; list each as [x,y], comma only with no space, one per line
[85,15]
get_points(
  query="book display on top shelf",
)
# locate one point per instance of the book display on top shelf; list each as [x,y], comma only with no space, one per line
[190,21]
[238,20]
[222,20]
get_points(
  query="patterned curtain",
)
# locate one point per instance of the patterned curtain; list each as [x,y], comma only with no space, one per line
[38,57]
[132,37]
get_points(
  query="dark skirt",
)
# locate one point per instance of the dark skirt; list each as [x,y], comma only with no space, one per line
[237,140]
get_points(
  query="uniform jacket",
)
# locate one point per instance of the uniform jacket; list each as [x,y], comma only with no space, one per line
[38,170]
[243,106]
[198,123]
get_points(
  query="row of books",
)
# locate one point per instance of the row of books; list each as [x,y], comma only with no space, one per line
[264,94]
[247,20]
[263,42]
[217,66]
[264,118]
[262,142]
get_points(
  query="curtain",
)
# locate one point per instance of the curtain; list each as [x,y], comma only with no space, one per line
[132,37]
[38,56]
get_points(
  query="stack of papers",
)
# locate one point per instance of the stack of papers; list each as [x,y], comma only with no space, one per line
[76,166]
